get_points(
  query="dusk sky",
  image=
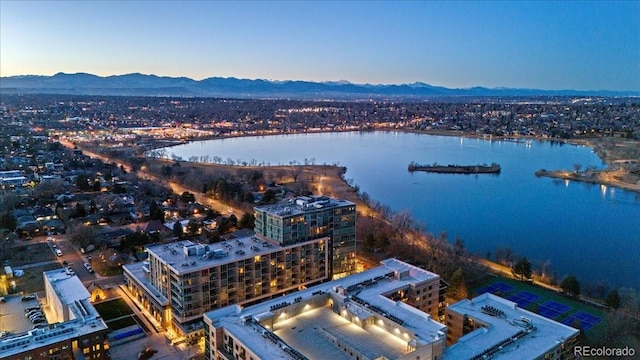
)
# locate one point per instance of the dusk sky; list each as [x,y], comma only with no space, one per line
[587,45]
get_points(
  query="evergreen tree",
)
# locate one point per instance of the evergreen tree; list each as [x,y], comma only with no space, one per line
[82,182]
[192,227]
[7,221]
[79,211]
[570,285]
[458,285]
[613,299]
[92,207]
[177,229]
[247,221]
[522,269]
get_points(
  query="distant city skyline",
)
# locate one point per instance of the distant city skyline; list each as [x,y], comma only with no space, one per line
[587,45]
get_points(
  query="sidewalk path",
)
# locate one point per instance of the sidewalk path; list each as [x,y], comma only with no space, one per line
[22,267]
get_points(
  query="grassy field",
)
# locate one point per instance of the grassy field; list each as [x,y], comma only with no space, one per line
[32,281]
[30,254]
[113,309]
[546,295]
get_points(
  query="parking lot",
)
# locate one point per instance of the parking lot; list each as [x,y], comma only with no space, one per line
[12,314]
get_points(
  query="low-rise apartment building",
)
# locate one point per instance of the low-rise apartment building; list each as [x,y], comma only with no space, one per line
[489,326]
[355,317]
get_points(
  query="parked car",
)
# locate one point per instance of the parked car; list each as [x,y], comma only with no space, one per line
[29,297]
[88,267]
[36,316]
[32,312]
[58,252]
[39,320]
[2,299]
[31,308]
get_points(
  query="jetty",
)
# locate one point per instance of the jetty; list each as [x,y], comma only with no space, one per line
[456,169]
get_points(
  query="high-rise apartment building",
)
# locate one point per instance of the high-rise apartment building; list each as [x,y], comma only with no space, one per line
[182,280]
[298,243]
[310,217]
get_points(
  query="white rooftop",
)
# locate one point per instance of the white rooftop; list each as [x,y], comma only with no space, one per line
[33,339]
[201,257]
[68,287]
[302,204]
[540,334]
[72,293]
[137,270]
[303,332]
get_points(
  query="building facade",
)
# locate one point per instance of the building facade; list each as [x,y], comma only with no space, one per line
[489,326]
[181,281]
[310,217]
[75,329]
[355,317]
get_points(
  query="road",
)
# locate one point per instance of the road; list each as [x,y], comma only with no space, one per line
[175,187]
[73,257]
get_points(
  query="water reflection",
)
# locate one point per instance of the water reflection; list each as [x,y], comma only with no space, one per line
[536,217]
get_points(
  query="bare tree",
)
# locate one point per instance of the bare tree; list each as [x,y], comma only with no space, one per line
[81,235]
[577,167]
[9,200]
[48,189]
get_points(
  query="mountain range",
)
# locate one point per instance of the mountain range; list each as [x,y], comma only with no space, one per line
[151,85]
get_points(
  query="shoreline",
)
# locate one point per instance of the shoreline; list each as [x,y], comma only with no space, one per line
[327,180]
[609,176]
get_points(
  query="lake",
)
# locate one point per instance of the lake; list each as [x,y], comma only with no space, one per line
[588,230]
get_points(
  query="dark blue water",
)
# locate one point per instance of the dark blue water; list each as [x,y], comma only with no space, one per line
[588,230]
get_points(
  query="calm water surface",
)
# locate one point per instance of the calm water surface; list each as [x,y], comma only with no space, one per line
[584,229]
